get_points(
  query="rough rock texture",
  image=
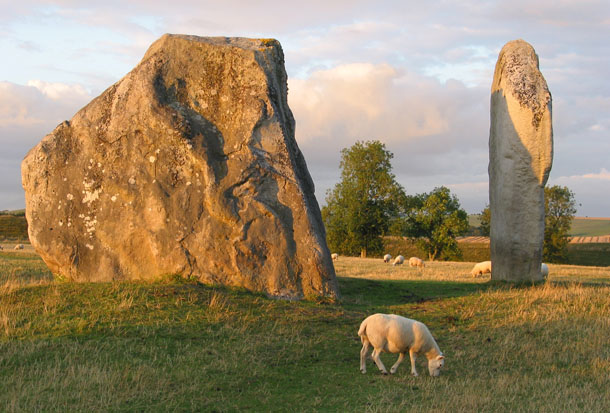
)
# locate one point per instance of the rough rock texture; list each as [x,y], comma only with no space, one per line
[520,158]
[188,165]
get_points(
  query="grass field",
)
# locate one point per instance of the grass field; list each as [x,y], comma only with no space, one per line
[182,346]
[590,227]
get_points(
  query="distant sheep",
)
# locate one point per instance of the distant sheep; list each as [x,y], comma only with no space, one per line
[395,334]
[416,262]
[544,270]
[387,258]
[481,268]
[19,247]
[399,260]
[334,256]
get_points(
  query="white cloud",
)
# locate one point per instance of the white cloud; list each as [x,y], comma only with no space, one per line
[27,114]
[435,130]
[358,70]
[591,191]
[60,92]
[365,101]
[39,104]
[603,175]
[362,100]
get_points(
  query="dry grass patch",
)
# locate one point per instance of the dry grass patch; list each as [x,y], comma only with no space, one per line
[376,269]
[578,273]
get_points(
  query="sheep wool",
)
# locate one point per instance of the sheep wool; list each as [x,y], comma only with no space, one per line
[392,333]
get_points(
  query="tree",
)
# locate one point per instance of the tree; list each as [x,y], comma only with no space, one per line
[486,221]
[402,223]
[438,222]
[359,208]
[559,207]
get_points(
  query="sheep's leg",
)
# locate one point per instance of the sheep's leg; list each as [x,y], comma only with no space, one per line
[378,361]
[365,348]
[395,366]
[413,357]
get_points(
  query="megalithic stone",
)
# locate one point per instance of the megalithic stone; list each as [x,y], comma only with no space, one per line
[520,159]
[188,165]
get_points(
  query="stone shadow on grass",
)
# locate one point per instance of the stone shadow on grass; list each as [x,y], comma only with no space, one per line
[359,293]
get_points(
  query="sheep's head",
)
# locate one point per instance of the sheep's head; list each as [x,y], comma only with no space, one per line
[435,365]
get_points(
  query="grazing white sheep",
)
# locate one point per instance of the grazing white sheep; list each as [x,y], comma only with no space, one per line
[544,270]
[392,333]
[481,268]
[19,246]
[334,256]
[387,258]
[416,262]
[399,260]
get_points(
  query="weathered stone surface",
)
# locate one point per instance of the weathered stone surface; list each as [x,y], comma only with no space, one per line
[188,165]
[520,159]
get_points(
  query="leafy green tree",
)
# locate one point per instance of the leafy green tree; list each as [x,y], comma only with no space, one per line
[485,221]
[560,207]
[437,224]
[360,207]
[402,223]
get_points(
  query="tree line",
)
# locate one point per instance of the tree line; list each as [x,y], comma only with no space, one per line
[368,204]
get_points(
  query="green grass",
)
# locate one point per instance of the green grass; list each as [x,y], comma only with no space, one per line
[23,269]
[471,251]
[590,227]
[400,246]
[589,254]
[182,346]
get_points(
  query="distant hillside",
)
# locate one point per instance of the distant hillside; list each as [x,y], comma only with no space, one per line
[581,226]
[13,226]
[474,220]
[16,212]
[590,227]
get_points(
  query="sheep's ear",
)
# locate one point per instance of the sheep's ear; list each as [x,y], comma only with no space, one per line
[440,357]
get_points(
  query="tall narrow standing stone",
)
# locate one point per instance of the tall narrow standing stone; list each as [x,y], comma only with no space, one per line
[188,165]
[520,158]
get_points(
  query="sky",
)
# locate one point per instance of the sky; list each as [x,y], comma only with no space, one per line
[413,74]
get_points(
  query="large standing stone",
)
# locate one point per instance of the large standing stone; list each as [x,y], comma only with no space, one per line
[520,158]
[188,165]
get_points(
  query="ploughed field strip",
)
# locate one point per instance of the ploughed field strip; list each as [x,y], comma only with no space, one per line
[586,240]
[478,240]
[573,240]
